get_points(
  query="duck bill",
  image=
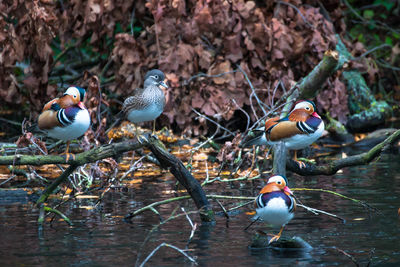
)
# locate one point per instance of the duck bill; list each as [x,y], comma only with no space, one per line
[315,114]
[163,84]
[81,105]
[287,190]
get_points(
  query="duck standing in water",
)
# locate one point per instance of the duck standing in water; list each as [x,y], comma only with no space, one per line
[275,204]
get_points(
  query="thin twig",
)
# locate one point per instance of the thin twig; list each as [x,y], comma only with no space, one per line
[193,225]
[252,88]
[245,113]
[372,50]
[316,211]
[11,122]
[298,11]
[225,212]
[170,246]
[9,179]
[348,256]
[337,194]
[212,121]
[170,218]
[208,75]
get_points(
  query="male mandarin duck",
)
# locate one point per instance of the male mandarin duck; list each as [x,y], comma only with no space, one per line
[147,103]
[72,96]
[66,118]
[275,204]
[299,129]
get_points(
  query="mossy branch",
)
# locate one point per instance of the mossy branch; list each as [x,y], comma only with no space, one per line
[167,161]
[332,167]
[310,85]
[55,183]
[93,155]
[185,178]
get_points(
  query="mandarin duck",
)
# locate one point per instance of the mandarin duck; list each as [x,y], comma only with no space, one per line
[66,118]
[147,103]
[299,129]
[275,204]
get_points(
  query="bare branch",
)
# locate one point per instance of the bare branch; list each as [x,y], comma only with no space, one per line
[212,121]
[333,166]
[170,246]
[252,88]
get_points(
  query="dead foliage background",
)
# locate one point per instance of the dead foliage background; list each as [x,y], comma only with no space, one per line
[46,45]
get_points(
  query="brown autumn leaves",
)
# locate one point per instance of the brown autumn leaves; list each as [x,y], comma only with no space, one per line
[270,40]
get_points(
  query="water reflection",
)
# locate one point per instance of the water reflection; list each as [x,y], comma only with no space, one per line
[100,237]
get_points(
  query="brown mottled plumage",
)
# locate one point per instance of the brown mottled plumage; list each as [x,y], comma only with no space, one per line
[147,103]
[143,98]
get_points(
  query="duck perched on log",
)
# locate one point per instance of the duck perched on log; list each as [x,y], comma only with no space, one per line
[66,118]
[299,129]
[147,103]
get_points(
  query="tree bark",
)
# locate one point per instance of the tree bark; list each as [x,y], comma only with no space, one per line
[306,89]
[310,85]
[176,167]
[280,154]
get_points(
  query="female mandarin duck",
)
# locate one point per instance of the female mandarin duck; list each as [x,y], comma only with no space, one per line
[148,102]
[302,127]
[66,118]
[275,204]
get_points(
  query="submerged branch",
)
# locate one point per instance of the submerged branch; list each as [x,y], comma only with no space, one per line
[167,161]
[332,167]
[185,178]
[315,211]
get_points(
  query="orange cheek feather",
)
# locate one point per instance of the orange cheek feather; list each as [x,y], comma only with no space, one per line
[270,188]
[299,115]
[67,101]
[48,104]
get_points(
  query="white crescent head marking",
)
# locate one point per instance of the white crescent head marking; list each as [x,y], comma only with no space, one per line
[304,105]
[72,91]
[277,179]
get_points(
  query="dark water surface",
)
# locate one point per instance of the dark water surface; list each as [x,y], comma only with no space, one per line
[100,237]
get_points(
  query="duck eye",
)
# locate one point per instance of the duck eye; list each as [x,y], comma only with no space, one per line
[279,182]
[307,108]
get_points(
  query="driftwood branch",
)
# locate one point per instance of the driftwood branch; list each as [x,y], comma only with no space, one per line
[176,167]
[310,85]
[55,183]
[167,161]
[306,89]
[93,155]
[334,166]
